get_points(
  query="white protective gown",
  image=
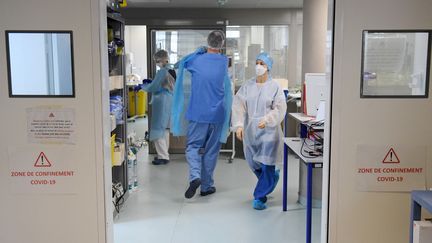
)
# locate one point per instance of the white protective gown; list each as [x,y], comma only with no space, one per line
[254,103]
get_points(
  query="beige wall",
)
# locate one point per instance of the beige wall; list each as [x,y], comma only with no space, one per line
[314,36]
[57,217]
[371,217]
[295,49]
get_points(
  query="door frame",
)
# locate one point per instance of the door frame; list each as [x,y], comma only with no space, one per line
[221,25]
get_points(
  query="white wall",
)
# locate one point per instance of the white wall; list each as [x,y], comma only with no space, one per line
[136,43]
[360,217]
[58,217]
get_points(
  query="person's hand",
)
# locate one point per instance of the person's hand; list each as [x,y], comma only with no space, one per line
[261,125]
[239,133]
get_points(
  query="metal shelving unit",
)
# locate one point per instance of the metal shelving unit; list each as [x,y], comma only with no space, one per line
[116,60]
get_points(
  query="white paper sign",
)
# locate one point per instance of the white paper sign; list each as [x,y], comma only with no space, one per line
[42,169]
[46,125]
[391,168]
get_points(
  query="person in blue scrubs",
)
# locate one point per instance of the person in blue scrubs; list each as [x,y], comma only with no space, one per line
[259,108]
[161,89]
[207,112]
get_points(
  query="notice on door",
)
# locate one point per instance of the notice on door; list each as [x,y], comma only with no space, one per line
[46,125]
[42,169]
[391,168]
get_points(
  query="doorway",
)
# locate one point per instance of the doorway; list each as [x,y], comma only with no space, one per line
[159,211]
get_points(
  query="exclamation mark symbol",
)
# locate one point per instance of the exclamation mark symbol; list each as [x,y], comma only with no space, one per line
[42,160]
[391,156]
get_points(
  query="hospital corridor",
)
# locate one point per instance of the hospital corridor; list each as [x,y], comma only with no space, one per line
[158,212]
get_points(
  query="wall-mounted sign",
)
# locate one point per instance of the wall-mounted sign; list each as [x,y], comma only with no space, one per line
[42,170]
[391,168]
[46,125]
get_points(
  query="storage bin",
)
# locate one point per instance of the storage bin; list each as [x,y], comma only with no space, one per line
[141,102]
[131,107]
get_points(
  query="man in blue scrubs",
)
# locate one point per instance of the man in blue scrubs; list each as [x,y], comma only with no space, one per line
[207,111]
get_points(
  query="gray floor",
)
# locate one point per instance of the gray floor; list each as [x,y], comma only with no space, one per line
[158,213]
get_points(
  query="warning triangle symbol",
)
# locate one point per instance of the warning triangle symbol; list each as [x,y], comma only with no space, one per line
[42,161]
[51,115]
[391,157]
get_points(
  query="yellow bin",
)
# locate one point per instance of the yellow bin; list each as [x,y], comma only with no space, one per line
[141,100]
[131,110]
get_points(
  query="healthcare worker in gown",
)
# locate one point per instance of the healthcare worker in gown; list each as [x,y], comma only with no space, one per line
[207,112]
[258,110]
[161,89]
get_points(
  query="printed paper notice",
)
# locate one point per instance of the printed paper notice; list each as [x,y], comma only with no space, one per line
[46,125]
[391,168]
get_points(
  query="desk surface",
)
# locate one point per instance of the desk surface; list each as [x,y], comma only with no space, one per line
[424,198]
[306,120]
[301,117]
[295,143]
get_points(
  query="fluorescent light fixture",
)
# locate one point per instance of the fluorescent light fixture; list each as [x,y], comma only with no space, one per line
[178,22]
[233,34]
[221,3]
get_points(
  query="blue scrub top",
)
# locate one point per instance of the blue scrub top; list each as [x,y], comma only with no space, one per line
[207,97]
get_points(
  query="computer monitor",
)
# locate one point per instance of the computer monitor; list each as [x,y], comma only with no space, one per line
[315,91]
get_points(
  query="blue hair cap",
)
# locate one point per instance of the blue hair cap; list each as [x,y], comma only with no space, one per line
[265,57]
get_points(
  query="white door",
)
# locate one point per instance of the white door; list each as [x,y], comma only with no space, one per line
[52,181]
[363,126]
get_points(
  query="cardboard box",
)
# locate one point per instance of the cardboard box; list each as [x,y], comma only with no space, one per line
[422,232]
[113,122]
[116,82]
[119,154]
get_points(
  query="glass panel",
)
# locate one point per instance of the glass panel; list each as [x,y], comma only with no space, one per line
[395,64]
[40,64]
[178,43]
[244,43]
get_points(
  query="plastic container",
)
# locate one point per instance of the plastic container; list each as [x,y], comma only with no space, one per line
[141,102]
[110,34]
[130,174]
[135,174]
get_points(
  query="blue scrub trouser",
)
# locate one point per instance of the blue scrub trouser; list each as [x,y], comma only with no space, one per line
[202,151]
[266,182]
[264,173]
